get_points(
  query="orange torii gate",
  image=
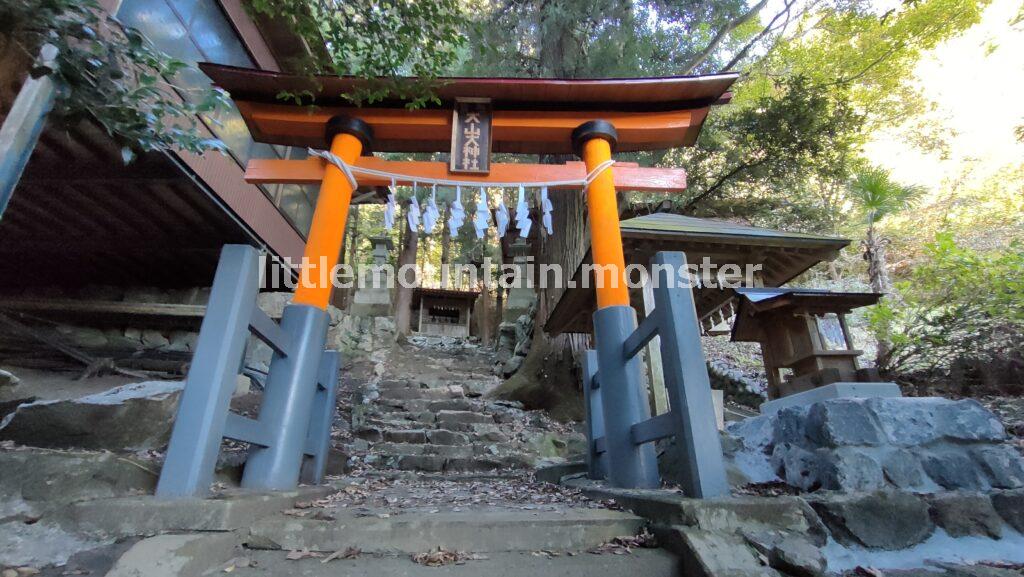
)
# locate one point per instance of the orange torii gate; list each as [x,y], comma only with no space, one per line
[589,118]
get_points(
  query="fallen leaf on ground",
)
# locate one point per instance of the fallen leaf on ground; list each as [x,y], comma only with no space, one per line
[441,556]
[349,553]
[296,554]
[625,545]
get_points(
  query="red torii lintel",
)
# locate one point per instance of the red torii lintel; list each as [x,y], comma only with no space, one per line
[628,175]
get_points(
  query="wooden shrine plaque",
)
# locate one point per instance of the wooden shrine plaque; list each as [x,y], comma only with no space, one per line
[471,136]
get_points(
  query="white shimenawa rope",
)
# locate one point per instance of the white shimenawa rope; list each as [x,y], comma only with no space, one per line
[457,218]
[350,171]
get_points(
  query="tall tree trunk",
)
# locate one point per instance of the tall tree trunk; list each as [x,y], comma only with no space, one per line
[878,276]
[485,301]
[403,294]
[874,253]
[446,246]
[353,245]
[352,236]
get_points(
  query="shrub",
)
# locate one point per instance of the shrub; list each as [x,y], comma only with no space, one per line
[960,315]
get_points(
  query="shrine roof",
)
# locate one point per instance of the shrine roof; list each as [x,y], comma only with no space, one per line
[530,115]
[757,300]
[783,255]
[679,226]
[627,94]
[451,293]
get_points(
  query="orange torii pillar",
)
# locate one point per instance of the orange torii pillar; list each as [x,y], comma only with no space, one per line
[622,396]
[291,382]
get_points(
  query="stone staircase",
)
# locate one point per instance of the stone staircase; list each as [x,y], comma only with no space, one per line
[425,411]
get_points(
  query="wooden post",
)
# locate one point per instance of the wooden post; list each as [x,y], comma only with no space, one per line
[348,137]
[655,370]
[606,238]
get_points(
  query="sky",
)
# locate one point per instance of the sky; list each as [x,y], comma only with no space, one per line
[976,82]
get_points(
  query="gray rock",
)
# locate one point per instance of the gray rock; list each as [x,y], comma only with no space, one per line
[117,339]
[7,379]
[887,520]
[952,469]
[902,468]
[154,339]
[84,337]
[181,341]
[130,417]
[798,466]
[34,481]
[430,463]
[1002,464]
[513,364]
[450,405]
[473,464]
[368,433]
[790,426]
[798,557]
[522,348]
[463,418]
[964,514]
[1010,506]
[406,436]
[913,421]
[713,554]
[426,417]
[848,469]
[552,471]
[492,437]
[445,437]
[840,423]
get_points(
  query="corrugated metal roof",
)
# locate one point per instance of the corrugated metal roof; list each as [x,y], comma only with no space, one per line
[756,295]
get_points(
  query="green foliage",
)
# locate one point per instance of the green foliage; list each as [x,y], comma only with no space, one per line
[870,54]
[876,195]
[376,40]
[786,139]
[109,74]
[959,309]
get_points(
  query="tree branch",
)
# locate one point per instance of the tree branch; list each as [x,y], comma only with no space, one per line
[722,34]
[693,202]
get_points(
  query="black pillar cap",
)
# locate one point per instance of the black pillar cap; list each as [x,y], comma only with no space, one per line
[593,129]
[349,125]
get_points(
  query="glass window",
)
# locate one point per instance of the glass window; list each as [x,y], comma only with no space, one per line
[216,38]
[162,27]
[295,204]
[186,9]
[197,30]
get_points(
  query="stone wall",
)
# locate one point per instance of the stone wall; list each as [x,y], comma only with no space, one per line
[916,444]
[350,334]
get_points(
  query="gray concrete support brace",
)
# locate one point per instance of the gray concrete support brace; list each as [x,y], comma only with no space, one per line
[288,401]
[623,404]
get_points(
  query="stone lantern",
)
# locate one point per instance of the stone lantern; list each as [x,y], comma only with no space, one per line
[373,297]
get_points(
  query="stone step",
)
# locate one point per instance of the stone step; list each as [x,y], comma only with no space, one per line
[402,449]
[405,436]
[466,450]
[646,562]
[447,418]
[473,531]
[431,394]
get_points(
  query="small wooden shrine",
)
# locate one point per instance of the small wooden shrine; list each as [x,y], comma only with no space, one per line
[802,331]
[444,312]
